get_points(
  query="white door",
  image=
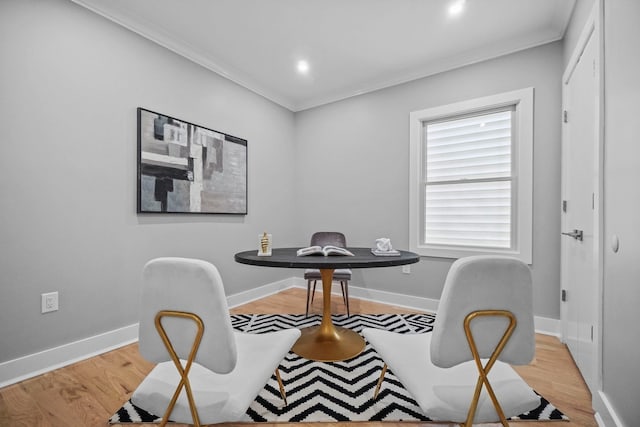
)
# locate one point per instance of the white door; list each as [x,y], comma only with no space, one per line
[580,216]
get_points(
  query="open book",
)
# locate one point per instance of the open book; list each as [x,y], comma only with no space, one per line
[326,250]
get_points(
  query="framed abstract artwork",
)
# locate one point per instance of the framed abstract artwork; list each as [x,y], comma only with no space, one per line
[186,168]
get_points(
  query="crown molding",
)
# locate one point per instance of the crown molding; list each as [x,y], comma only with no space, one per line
[162,37]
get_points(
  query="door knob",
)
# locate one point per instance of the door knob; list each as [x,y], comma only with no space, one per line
[576,234]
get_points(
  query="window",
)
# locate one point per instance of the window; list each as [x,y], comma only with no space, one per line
[471,177]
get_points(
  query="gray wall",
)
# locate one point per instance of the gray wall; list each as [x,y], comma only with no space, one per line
[70,82]
[621,347]
[352,174]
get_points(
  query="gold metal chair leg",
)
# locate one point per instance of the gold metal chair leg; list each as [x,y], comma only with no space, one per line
[183,371]
[483,371]
[281,386]
[384,371]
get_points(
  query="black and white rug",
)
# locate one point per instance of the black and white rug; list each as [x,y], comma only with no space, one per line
[334,391]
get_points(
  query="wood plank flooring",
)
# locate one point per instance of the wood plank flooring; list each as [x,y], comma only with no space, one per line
[89,392]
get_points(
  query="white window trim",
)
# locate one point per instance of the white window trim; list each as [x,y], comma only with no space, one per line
[523,173]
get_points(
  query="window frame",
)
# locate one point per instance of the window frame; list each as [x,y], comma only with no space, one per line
[522,178]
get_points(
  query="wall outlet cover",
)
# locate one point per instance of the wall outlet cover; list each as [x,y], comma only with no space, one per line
[49,302]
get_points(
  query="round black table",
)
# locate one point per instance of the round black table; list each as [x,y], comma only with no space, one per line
[326,342]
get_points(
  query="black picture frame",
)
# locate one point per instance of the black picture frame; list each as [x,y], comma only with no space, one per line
[184,168]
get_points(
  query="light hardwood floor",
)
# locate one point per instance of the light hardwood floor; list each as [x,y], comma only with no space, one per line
[89,392]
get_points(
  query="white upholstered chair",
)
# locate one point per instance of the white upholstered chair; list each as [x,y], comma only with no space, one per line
[206,372]
[460,372]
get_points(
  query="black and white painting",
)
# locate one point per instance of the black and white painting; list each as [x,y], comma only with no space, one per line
[186,168]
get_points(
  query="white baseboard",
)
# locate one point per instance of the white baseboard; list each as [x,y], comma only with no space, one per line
[384,297]
[547,326]
[605,414]
[25,367]
[31,365]
[391,298]
[260,292]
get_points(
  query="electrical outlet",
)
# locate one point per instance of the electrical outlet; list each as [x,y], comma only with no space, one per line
[406,269]
[49,302]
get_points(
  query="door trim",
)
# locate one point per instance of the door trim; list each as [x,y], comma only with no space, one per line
[592,28]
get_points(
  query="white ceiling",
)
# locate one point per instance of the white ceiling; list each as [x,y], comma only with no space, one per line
[352,46]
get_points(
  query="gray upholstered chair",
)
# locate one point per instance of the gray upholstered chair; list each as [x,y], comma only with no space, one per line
[343,275]
[206,372]
[461,371]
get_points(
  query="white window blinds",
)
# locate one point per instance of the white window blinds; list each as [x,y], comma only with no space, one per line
[467,180]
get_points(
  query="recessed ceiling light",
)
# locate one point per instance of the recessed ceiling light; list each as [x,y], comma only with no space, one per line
[456,7]
[303,66]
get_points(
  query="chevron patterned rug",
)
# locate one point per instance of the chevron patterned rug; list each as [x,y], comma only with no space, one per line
[335,391]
